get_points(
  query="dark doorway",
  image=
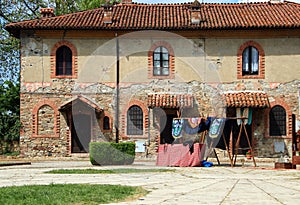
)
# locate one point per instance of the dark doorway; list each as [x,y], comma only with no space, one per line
[166,121]
[81,133]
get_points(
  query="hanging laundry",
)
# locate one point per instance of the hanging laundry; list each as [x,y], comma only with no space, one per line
[191,125]
[214,134]
[194,121]
[245,113]
[250,116]
[216,127]
[204,124]
[177,126]
[239,115]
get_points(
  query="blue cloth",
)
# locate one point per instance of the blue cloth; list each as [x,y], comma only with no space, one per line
[204,125]
[205,163]
[188,129]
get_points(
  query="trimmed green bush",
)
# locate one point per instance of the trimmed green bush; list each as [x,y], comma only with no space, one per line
[111,153]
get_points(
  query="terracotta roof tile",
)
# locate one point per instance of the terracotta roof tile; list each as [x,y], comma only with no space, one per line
[170,100]
[174,17]
[247,99]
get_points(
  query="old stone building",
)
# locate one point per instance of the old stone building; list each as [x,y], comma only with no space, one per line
[123,72]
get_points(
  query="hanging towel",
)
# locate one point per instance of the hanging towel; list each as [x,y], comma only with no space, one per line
[177,126]
[238,115]
[250,116]
[245,114]
[216,128]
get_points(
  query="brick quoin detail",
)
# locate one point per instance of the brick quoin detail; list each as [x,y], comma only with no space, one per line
[74,60]
[289,119]
[261,68]
[171,61]
[123,120]
[56,129]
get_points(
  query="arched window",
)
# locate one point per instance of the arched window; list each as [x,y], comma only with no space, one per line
[106,124]
[250,61]
[63,61]
[277,117]
[134,120]
[161,61]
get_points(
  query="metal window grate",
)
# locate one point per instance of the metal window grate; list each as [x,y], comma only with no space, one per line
[277,118]
[135,121]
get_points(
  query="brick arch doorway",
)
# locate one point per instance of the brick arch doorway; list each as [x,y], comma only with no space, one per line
[82,116]
[81,131]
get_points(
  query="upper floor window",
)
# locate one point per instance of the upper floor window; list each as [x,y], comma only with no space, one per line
[277,117]
[63,61]
[161,61]
[250,61]
[135,120]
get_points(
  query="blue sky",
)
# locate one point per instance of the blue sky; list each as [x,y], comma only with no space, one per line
[206,1]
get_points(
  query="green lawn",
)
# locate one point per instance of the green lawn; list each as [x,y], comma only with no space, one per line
[106,171]
[68,194]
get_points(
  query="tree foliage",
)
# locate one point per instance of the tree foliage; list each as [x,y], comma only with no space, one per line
[15,11]
[9,115]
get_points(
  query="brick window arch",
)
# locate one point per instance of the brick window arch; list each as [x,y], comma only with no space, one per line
[45,120]
[64,60]
[250,61]
[124,120]
[283,116]
[161,61]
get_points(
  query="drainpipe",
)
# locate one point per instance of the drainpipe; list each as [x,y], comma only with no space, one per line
[117,87]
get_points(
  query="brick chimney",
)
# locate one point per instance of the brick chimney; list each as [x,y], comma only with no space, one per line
[107,15]
[47,12]
[195,12]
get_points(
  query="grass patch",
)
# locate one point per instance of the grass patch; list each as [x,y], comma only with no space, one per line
[68,194]
[106,171]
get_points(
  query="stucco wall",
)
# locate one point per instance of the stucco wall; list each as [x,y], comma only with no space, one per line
[215,60]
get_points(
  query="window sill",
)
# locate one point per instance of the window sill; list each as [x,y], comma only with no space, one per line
[250,77]
[64,77]
[161,77]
